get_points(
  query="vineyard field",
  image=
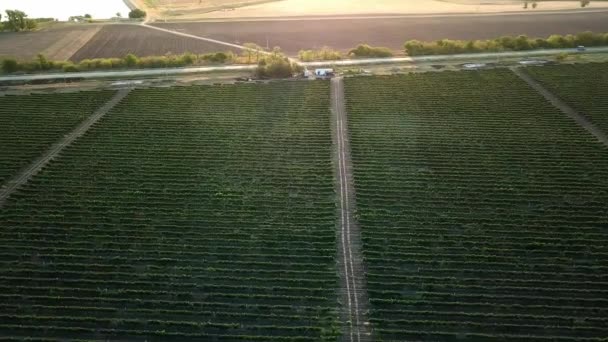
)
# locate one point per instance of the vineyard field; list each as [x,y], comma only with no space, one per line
[582,86]
[200,213]
[483,210]
[29,124]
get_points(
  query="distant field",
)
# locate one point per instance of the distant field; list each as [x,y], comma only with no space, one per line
[482,210]
[56,42]
[120,40]
[200,213]
[287,8]
[583,86]
[195,9]
[343,34]
[31,124]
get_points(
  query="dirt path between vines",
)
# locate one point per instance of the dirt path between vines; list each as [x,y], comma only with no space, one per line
[352,270]
[563,106]
[16,182]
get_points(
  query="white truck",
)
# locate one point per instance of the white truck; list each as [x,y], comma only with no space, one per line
[324,73]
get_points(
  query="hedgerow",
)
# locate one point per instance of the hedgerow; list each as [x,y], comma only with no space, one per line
[506,43]
[41,63]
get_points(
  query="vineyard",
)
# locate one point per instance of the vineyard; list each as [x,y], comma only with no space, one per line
[583,86]
[483,210]
[29,124]
[197,213]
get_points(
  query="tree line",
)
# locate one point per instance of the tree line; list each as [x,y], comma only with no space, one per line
[506,43]
[18,21]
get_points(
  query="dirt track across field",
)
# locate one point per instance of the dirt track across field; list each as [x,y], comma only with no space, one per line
[13,184]
[563,106]
[352,271]
[343,34]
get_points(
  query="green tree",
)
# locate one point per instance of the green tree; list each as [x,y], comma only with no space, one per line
[276,66]
[88,16]
[137,14]
[131,60]
[16,20]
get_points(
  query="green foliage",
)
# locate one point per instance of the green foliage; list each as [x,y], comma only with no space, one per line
[10,65]
[31,123]
[137,14]
[506,43]
[472,150]
[562,57]
[70,68]
[18,21]
[364,50]
[41,63]
[582,85]
[263,269]
[323,54]
[277,66]
[131,60]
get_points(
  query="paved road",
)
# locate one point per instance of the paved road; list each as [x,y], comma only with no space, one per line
[470,58]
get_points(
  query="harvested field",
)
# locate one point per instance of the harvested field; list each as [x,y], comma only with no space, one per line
[120,40]
[343,34]
[57,43]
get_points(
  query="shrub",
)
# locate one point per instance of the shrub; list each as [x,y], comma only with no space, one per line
[10,65]
[137,14]
[131,60]
[70,67]
[44,63]
[276,66]
[324,54]
[364,50]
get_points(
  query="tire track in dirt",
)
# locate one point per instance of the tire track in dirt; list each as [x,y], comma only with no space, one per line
[352,271]
[16,182]
[562,106]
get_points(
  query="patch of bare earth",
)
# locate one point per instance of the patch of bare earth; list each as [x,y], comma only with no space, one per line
[71,42]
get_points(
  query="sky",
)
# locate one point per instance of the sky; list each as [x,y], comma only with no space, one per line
[63,9]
